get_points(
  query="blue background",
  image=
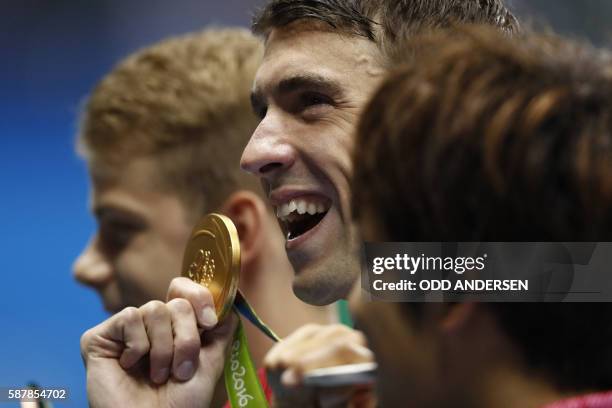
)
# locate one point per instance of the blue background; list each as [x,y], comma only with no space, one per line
[52,53]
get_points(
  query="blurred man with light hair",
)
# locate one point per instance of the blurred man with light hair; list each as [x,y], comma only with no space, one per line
[162,135]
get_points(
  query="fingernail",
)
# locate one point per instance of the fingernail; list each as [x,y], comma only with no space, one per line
[209,317]
[289,378]
[161,375]
[184,370]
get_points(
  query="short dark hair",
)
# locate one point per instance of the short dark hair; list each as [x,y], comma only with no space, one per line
[496,139]
[389,23]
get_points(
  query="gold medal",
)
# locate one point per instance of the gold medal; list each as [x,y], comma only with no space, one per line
[212,259]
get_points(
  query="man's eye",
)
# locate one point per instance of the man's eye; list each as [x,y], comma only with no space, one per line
[117,235]
[313,99]
[261,112]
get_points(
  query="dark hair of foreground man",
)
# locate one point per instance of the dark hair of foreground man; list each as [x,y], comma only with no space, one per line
[491,139]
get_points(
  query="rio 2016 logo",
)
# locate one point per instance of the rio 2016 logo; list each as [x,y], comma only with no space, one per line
[238,373]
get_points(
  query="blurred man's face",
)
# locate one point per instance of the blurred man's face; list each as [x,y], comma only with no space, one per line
[406,346]
[141,235]
[309,92]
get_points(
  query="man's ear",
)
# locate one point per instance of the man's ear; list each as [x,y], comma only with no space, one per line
[247,211]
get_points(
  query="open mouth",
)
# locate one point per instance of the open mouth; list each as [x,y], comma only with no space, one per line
[300,215]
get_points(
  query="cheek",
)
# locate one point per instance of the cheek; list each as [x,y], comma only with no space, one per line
[329,148]
[339,141]
[146,268]
[328,140]
[339,155]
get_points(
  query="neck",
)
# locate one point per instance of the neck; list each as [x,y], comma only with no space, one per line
[267,285]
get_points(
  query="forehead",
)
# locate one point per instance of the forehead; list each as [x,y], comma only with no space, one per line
[314,49]
[137,174]
[137,183]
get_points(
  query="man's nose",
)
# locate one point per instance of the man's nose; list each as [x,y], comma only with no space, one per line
[268,151]
[91,267]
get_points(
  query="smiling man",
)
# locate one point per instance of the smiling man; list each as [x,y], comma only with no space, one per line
[301,148]
[322,61]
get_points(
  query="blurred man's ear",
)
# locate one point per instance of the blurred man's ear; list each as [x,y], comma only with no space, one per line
[248,212]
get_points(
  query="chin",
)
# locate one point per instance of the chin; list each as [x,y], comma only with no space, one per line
[112,307]
[322,284]
[325,261]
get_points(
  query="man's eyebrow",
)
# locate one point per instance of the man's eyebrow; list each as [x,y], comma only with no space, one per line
[102,211]
[296,83]
[311,82]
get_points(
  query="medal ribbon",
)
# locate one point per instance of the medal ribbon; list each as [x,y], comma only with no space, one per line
[247,311]
[241,381]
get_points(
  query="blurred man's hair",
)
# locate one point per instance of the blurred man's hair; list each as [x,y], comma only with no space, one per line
[484,138]
[185,102]
[387,23]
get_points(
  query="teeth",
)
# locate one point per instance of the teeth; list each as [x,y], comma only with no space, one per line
[292,207]
[301,206]
[312,208]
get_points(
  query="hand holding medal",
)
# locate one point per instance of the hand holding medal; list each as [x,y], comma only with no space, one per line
[212,259]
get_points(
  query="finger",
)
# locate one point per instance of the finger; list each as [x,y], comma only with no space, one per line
[128,328]
[96,342]
[314,338]
[186,339]
[200,298]
[158,325]
[274,358]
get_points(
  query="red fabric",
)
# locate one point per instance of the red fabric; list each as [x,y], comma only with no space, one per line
[263,380]
[599,400]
